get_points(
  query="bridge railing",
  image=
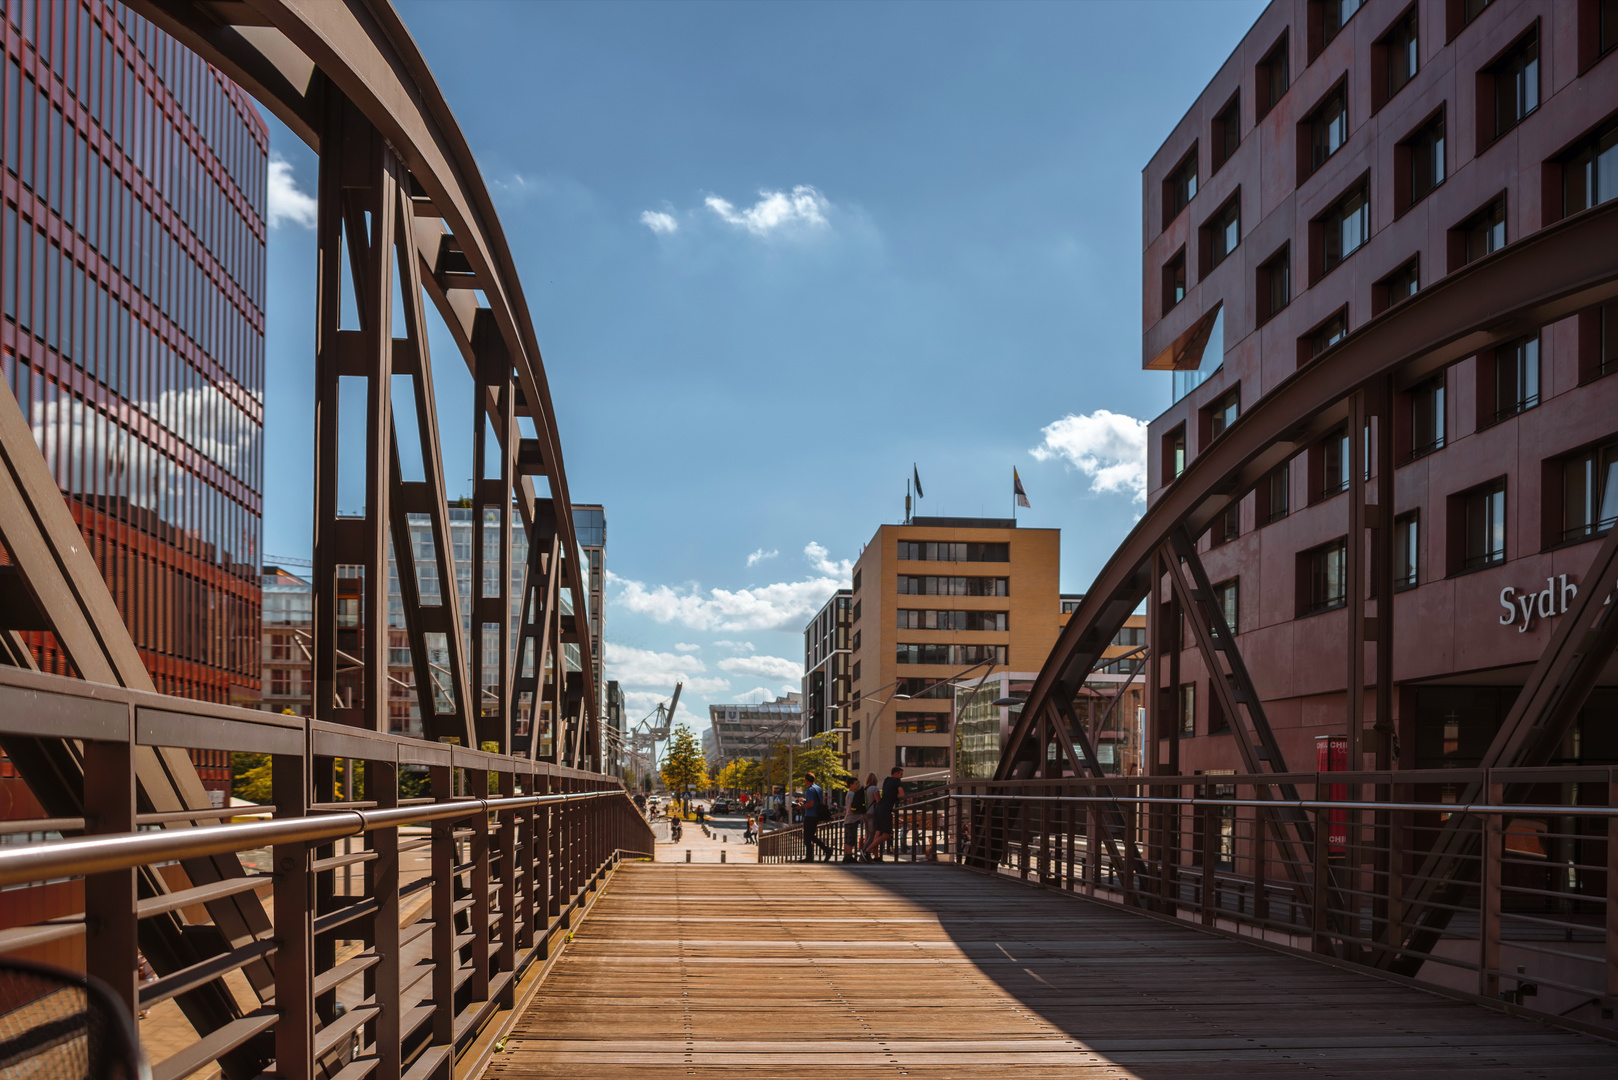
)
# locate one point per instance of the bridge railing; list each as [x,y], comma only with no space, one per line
[1496,883]
[396,929]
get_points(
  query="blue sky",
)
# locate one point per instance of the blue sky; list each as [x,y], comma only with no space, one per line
[775,253]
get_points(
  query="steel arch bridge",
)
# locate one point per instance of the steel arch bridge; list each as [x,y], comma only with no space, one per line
[513,732]
[1547,275]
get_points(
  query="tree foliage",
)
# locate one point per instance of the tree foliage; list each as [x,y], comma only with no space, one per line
[741,775]
[684,767]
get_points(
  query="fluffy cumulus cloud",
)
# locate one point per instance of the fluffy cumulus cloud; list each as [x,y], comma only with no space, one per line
[760,555]
[801,208]
[779,606]
[287,202]
[686,646]
[739,646]
[659,222]
[765,667]
[645,667]
[1108,447]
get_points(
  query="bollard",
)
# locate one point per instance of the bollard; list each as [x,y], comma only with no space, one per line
[687,854]
[721,854]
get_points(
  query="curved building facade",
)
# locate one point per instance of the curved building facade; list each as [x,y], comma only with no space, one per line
[133,278]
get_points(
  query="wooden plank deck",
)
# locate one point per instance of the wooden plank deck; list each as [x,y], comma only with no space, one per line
[838,972]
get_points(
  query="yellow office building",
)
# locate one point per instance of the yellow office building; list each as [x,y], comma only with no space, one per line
[939,602]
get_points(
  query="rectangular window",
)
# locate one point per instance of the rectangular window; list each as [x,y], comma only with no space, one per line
[1227,131]
[1325,577]
[1223,232]
[1344,228]
[946,551]
[1188,708]
[1513,84]
[1397,287]
[1334,464]
[1272,77]
[1484,524]
[933,653]
[1427,418]
[916,585]
[1274,493]
[1174,452]
[1226,599]
[1406,551]
[1275,282]
[1604,354]
[1606,28]
[1421,161]
[1590,493]
[921,757]
[1400,55]
[921,724]
[1181,187]
[1481,234]
[923,619]
[1328,130]
[1329,333]
[1515,375]
[1223,413]
[1590,173]
[1470,9]
[1174,281]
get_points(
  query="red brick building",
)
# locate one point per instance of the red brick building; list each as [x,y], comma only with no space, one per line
[1346,156]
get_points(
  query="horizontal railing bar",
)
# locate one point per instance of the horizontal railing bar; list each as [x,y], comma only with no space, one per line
[215,1045]
[26,937]
[1474,809]
[205,971]
[47,824]
[166,816]
[199,894]
[23,863]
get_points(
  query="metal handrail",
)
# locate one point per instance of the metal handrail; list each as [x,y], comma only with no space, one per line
[26,863]
[1308,804]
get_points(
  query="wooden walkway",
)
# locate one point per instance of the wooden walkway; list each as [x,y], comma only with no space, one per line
[899,970]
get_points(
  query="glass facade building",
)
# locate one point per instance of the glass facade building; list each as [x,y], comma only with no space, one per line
[132,267]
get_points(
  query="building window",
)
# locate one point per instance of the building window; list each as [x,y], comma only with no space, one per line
[1188,708]
[1226,599]
[940,585]
[1334,464]
[1174,452]
[1227,131]
[1223,413]
[1406,550]
[1181,187]
[924,619]
[1400,56]
[1590,174]
[1174,281]
[1343,228]
[934,653]
[1327,130]
[1273,76]
[1326,335]
[1325,577]
[921,724]
[1223,232]
[1397,287]
[946,551]
[1511,381]
[1606,28]
[1420,160]
[1327,19]
[1468,10]
[921,757]
[1274,494]
[1512,85]
[1275,282]
[1598,342]
[1481,234]
[1483,526]
[856,646]
[856,617]
[1227,526]
[1590,493]
[856,589]
[1427,418]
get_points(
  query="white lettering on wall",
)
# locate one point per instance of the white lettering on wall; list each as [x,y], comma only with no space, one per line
[1551,600]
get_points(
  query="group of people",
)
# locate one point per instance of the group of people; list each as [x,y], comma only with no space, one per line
[869,810]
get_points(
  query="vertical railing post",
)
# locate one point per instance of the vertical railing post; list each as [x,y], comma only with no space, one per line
[524,858]
[1489,897]
[382,980]
[111,945]
[1612,893]
[1210,860]
[294,926]
[1319,914]
[1261,853]
[446,957]
[477,781]
[507,840]
[544,867]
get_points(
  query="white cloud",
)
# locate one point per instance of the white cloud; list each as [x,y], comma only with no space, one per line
[740,646]
[784,605]
[767,667]
[1108,447]
[286,202]
[819,558]
[659,222]
[686,646]
[803,207]
[760,555]
[644,667]
[756,695]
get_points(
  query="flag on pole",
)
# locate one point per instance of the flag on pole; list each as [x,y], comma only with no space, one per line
[917,477]
[1016,489]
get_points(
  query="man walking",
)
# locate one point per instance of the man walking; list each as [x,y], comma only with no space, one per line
[814,812]
[892,792]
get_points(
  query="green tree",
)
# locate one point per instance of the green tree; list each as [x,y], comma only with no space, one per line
[821,758]
[684,767]
[250,777]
